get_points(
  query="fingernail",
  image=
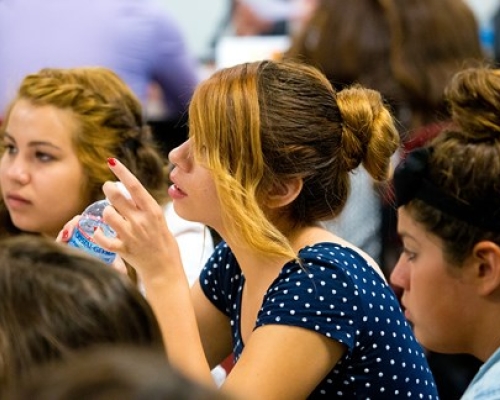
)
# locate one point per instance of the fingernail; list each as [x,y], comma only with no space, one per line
[65,234]
[111,162]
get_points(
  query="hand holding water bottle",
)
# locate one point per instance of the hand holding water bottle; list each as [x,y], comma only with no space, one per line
[90,220]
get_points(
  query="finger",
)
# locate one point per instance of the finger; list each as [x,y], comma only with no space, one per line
[67,231]
[138,193]
[119,265]
[117,220]
[117,190]
[106,242]
[121,202]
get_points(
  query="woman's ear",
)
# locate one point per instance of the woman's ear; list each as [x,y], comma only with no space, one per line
[486,259]
[284,193]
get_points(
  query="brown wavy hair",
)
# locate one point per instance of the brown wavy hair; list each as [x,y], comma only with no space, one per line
[408,50]
[57,300]
[466,161]
[110,123]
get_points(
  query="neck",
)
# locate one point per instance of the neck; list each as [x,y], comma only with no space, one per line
[256,265]
[486,338]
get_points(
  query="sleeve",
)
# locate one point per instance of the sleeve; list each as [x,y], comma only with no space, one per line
[325,301]
[219,278]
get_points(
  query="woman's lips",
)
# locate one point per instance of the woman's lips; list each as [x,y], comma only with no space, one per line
[16,202]
[175,192]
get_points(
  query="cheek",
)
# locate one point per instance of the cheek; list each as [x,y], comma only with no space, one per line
[209,193]
[68,187]
[64,198]
[3,168]
[206,186]
[434,296]
[437,323]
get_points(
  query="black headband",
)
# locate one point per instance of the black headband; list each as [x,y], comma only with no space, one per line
[411,181]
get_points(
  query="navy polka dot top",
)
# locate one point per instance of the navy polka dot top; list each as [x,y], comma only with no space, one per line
[337,294]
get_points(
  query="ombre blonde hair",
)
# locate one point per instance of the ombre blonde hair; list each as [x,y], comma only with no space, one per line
[260,124]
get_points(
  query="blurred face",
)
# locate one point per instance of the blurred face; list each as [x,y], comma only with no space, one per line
[193,191]
[41,177]
[436,295]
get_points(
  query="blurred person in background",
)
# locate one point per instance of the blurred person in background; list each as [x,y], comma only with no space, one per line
[139,41]
[260,17]
[57,300]
[124,372]
[264,17]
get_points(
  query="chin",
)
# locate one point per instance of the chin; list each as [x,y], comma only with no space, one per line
[432,343]
[27,227]
[184,214]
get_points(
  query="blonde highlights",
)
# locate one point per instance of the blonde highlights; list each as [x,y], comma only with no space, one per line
[257,125]
[230,128]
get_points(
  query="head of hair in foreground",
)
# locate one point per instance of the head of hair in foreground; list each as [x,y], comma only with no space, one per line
[110,372]
[451,191]
[108,122]
[261,125]
[56,300]
[406,49]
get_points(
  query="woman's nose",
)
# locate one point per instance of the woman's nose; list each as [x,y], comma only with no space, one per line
[179,155]
[399,276]
[18,170]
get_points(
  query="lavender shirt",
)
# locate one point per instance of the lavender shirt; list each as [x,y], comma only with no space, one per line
[135,38]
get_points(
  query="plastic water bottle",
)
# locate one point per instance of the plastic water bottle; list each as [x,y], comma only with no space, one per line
[83,234]
[90,220]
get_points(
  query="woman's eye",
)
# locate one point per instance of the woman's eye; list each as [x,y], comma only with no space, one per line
[10,148]
[409,254]
[44,157]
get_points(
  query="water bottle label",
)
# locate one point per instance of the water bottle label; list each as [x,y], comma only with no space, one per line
[83,241]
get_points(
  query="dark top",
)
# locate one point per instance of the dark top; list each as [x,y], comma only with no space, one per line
[339,295]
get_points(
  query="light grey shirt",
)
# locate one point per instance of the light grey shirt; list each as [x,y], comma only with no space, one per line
[486,383]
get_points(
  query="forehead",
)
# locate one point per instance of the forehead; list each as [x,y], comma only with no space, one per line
[410,229]
[407,224]
[30,122]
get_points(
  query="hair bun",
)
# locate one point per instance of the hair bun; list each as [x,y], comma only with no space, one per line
[474,99]
[369,135]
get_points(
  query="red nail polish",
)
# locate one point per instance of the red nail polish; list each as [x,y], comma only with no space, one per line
[65,235]
[111,162]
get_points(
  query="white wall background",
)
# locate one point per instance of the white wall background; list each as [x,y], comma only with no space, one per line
[199,20]
[484,9]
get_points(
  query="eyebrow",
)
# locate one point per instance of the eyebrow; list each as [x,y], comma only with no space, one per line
[405,235]
[34,143]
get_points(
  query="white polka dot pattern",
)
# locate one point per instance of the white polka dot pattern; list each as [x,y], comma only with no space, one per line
[337,294]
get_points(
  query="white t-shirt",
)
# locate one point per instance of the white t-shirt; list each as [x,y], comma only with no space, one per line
[195,242]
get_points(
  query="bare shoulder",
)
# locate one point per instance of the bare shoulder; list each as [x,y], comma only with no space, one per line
[317,234]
